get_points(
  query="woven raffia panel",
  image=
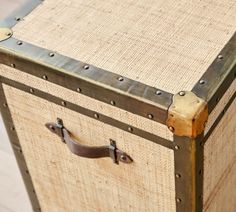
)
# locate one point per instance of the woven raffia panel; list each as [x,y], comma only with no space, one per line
[157,43]
[87,102]
[66,182]
[220,165]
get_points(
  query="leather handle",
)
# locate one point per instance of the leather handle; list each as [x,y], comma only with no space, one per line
[88,151]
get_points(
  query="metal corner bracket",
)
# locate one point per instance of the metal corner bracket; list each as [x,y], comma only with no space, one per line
[187,115]
[5,33]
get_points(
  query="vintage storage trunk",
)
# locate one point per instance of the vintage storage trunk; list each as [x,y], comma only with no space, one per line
[121,105]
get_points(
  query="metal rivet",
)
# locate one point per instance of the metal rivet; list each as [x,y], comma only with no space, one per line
[63,103]
[178,176]
[158,92]
[176,147]
[31,90]
[8,34]
[112,103]
[182,93]
[200,172]
[120,79]
[78,90]
[130,129]
[202,82]
[86,67]
[220,56]
[12,128]
[13,65]
[150,116]
[17,18]
[4,104]
[172,129]
[178,200]
[51,54]
[96,116]
[45,77]
[19,43]
[123,157]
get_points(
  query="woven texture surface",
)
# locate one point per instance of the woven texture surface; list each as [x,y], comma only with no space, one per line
[65,182]
[157,43]
[219,165]
[220,106]
[87,102]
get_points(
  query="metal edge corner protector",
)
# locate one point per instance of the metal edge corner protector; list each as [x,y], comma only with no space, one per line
[219,75]
[187,115]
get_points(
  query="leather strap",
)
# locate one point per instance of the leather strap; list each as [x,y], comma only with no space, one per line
[88,151]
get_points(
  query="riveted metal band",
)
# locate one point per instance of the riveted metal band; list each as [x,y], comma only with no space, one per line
[19,9]
[189,173]
[99,84]
[19,155]
[89,113]
[219,76]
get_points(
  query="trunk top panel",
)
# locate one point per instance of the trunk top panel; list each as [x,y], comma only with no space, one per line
[164,44]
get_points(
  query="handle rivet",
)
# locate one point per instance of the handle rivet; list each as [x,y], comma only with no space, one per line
[120,79]
[113,103]
[45,77]
[172,129]
[220,56]
[176,147]
[150,116]
[31,90]
[19,43]
[178,176]
[4,104]
[158,92]
[86,67]
[123,157]
[78,90]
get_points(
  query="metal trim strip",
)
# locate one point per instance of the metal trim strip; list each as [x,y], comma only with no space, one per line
[89,113]
[102,85]
[19,155]
[219,76]
[21,12]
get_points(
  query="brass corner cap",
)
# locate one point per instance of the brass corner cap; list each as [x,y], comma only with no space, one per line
[5,33]
[187,115]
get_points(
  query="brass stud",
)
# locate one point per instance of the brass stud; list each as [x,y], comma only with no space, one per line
[96,116]
[130,129]
[112,103]
[158,92]
[86,67]
[176,147]
[150,116]
[220,56]
[13,65]
[78,90]
[31,90]
[123,157]
[202,82]
[19,43]
[120,79]
[63,103]
[182,93]
[51,54]
[45,77]
[172,129]
[178,176]
[178,200]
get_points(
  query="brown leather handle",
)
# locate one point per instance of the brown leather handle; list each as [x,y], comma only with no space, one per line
[88,151]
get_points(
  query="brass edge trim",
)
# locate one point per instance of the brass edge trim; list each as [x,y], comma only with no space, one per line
[219,76]
[20,13]
[5,33]
[187,115]
[188,156]
[97,83]
[218,119]
[19,155]
[92,114]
